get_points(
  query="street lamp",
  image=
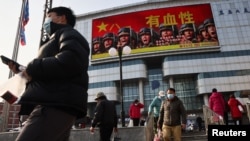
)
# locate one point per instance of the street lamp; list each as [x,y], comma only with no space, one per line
[113,52]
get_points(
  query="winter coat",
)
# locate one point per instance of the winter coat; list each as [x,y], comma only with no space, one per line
[234,110]
[59,74]
[155,106]
[172,113]
[105,114]
[217,103]
[135,110]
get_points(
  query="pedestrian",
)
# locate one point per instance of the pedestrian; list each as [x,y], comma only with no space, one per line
[154,108]
[236,114]
[172,117]
[56,91]
[217,103]
[105,117]
[135,112]
[199,122]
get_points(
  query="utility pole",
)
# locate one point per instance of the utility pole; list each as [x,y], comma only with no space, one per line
[44,36]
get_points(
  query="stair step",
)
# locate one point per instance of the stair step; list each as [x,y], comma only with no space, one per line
[194,136]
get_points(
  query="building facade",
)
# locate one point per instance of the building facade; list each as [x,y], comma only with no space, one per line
[192,71]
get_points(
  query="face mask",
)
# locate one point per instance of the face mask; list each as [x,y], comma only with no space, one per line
[170,96]
[136,104]
[46,25]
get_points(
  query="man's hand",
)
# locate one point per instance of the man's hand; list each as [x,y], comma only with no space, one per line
[13,67]
[115,129]
[92,130]
[25,74]
[183,126]
[158,126]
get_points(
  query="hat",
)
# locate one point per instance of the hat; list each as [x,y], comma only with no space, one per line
[107,36]
[144,31]
[165,27]
[124,31]
[96,40]
[100,95]
[161,93]
[208,22]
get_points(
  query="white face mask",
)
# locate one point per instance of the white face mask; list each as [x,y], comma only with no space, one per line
[170,96]
[46,25]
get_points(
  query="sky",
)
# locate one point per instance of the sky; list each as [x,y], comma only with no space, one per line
[10,13]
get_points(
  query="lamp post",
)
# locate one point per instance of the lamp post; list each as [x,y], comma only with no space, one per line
[113,52]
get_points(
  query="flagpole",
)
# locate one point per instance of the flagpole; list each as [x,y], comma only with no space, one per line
[17,40]
[6,105]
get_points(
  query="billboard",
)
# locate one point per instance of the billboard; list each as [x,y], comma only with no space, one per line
[155,30]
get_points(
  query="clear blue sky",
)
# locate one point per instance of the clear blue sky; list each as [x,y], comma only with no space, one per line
[10,14]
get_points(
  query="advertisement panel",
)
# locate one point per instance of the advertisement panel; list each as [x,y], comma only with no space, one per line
[155,30]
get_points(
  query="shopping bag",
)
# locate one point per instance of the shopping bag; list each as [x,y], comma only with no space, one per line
[241,108]
[130,124]
[116,137]
[158,136]
[214,119]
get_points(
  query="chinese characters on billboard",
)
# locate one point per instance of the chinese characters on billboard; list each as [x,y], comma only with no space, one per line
[155,30]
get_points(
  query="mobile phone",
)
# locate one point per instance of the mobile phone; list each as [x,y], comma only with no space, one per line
[6,60]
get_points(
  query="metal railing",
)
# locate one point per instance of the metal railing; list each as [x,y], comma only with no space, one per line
[211,118]
[248,110]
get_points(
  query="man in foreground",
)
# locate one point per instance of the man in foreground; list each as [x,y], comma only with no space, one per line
[56,91]
[173,117]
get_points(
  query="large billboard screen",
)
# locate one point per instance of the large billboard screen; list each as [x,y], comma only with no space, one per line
[155,30]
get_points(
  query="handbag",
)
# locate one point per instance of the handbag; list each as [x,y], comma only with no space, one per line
[241,108]
[116,137]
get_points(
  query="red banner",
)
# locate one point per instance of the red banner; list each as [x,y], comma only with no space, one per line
[154,21]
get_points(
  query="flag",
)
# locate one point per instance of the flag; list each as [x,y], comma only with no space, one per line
[155,84]
[22,36]
[25,19]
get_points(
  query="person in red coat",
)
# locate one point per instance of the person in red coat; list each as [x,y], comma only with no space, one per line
[234,110]
[217,102]
[135,112]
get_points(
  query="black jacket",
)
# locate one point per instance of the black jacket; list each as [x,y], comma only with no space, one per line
[59,74]
[105,114]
